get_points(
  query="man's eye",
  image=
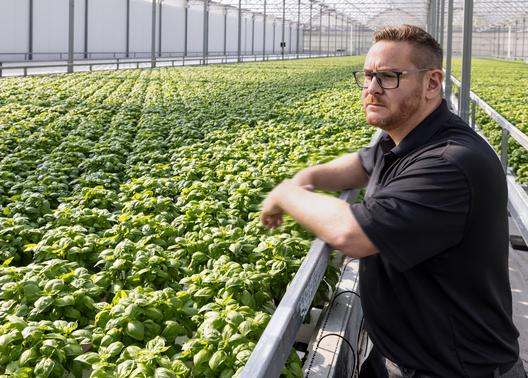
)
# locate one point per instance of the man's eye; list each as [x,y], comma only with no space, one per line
[387,75]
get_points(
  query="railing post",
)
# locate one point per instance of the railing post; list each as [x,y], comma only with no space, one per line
[504,149]
[0,69]
[118,63]
[473,114]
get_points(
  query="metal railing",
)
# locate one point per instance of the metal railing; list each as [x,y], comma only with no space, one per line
[517,197]
[148,54]
[125,63]
[271,352]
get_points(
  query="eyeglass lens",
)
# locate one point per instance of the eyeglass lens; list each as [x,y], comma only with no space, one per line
[386,80]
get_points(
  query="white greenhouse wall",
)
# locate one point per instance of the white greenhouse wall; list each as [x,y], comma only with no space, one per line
[107,30]
[107,23]
[14,28]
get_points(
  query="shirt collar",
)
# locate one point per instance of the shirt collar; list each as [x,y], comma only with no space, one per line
[419,135]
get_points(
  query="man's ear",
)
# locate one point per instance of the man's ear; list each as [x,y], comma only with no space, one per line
[434,84]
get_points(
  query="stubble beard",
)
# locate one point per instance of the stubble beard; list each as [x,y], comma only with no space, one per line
[409,106]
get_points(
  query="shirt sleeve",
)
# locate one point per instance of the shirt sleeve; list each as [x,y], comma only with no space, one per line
[418,214]
[368,157]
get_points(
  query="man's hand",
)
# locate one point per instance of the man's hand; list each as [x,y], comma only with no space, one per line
[271,215]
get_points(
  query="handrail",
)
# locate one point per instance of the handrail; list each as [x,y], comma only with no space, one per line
[517,197]
[224,59]
[273,347]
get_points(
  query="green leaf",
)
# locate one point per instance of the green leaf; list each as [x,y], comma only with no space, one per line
[31,291]
[72,350]
[246,327]
[19,324]
[133,311]
[217,360]
[125,368]
[43,303]
[163,373]
[171,331]
[135,330]
[234,318]
[88,359]
[66,300]
[201,357]
[115,348]
[228,372]
[44,367]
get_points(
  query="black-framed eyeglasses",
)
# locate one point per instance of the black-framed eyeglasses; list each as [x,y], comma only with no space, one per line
[386,79]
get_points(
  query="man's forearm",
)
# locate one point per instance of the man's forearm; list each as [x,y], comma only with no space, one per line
[345,172]
[327,217]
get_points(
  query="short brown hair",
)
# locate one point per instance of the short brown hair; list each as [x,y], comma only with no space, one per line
[427,53]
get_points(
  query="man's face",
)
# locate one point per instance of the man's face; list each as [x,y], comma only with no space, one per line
[390,109]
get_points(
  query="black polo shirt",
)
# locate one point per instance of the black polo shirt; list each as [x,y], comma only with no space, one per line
[437,297]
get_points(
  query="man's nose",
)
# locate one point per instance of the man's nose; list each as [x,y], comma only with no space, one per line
[374,86]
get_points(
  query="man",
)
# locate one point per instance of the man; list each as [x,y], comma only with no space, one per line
[432,230]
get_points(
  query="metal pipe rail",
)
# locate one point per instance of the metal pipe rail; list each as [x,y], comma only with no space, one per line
[120,62]
[271,352]
[517,197]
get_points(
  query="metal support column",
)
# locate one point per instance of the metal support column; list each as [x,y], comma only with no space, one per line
[342,30]
[498,43]
[205,30]
[328,49]
[153,36]
[239,30]
[160,26]
[283,20]
[290,27]
[442,17]
[85,29]
[503,41]
[321,31]
[245,36]
[463,93]
[515,41]
[524,33]
[347,32]
[264,33]
[449,53]
[274,30]
[30,42]
[70,37]
[185,29]
[225,31]
[253,35]
[298,26]
[127,47]
[509,41]
[310,47]
[335,36]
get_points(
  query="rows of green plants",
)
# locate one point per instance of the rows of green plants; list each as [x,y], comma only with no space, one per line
[503,84]
[130,240]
